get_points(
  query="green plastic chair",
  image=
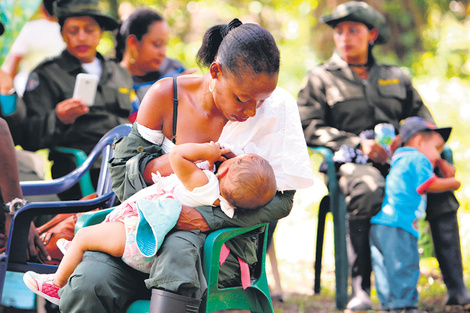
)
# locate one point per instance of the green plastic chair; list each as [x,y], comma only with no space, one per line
[79,157]
[255,298]
[332,203]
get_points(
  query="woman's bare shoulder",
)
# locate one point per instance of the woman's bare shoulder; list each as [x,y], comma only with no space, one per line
[157,102]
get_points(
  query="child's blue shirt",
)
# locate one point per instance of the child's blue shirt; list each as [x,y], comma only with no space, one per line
[405,199]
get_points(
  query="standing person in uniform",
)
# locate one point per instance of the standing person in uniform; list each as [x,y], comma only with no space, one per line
[54,118]
[141,48]
[340,104]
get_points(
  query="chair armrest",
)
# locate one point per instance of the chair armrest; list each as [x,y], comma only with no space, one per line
[22,219]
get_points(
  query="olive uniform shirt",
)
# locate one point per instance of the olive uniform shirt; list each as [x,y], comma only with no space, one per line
[336,106]
[52,82]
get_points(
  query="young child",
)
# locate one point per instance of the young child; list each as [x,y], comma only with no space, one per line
[394,232]
[135,230]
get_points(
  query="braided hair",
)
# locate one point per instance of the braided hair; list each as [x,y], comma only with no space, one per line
[240,48]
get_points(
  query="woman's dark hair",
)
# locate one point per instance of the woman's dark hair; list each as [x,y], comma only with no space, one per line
[48,6]
[240,47]
[137,24]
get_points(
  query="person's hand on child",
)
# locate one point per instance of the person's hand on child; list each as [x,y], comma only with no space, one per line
[447,169]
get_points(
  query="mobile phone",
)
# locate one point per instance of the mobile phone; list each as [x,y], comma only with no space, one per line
[85,88]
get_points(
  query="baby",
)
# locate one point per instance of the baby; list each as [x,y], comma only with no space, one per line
[135,230]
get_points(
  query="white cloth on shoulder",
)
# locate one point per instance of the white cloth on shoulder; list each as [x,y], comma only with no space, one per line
[155,136]
[275,133]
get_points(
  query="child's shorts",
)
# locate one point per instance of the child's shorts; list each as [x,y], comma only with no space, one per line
[132,255]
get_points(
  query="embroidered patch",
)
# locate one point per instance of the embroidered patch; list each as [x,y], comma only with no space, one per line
[33,81]
[385,82]
[124,90]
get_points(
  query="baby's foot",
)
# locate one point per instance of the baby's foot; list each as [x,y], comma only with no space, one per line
[42,285]
[63,245]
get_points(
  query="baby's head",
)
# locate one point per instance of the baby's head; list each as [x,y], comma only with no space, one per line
[424,136]
[249,181]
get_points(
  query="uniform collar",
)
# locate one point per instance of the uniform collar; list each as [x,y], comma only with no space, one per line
[72,65]
[336,63]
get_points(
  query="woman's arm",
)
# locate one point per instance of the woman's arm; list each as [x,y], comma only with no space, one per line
[132,154]
[136,156]
[207,218]
[278,208]
[156,113]
[314,114]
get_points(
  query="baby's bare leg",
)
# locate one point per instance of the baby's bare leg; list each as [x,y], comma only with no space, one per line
[105,237]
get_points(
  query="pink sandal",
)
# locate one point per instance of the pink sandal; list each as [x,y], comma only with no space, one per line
[41,284]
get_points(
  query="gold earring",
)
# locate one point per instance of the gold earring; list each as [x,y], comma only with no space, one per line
[211,88]
[133,57]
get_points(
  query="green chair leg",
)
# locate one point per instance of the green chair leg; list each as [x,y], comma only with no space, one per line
[337,208]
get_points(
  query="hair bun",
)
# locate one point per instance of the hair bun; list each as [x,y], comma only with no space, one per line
[227,28]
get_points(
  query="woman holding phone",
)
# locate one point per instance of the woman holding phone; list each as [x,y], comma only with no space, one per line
[54,116]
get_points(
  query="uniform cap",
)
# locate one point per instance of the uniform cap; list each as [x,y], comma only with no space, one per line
[361,12]
[413,125]
[64,9]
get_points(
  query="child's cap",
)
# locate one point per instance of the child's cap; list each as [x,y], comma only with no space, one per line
[413,125]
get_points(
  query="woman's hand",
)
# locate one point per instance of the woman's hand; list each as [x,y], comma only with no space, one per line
[447,169]
[191,219]
[374,151]
[36,249]
[69,110]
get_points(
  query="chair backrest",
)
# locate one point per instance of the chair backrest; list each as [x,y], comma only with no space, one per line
[255,297]
[103,147]
[15,258]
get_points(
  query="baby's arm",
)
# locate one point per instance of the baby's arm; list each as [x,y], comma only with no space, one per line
[184,156]
[443,184]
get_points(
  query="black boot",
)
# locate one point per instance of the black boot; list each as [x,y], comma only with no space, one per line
[359,264]
[446,238]
[166,302]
